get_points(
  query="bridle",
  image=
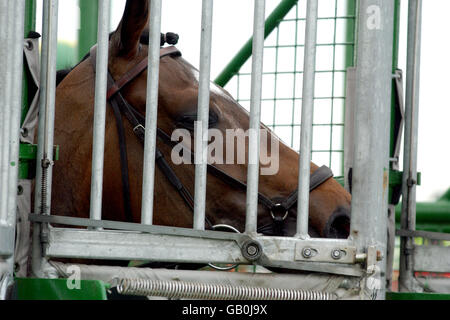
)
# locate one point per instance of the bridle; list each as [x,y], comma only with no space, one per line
[279,209]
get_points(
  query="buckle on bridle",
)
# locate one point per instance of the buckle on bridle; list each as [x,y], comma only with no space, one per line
[275,207]
[139,126]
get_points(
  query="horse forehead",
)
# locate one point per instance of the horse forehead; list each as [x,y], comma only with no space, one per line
[213,87]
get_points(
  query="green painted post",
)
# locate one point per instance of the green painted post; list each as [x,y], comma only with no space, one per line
[87,35]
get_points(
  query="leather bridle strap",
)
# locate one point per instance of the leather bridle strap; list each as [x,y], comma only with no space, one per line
[136,70]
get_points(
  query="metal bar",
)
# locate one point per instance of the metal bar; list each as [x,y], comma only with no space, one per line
[135,227]
[151,112]
[431,258]
[255,116]
[368,225]
[5,109]
[93,244]
[46,107]
[307,119]
[409,181]
[30,25]
[101,79]
[45,128]
[423,234]
[10,149]
[242,56]
[135,246]
[201,134]
[16,66]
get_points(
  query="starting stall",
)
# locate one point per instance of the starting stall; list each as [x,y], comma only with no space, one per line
[324,78]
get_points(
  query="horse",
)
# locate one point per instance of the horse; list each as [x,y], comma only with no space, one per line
[329,204]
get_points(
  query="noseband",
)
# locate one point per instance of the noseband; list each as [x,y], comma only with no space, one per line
[278,209]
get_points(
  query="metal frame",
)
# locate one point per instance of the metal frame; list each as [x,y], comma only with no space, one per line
[11,67]
[357,256]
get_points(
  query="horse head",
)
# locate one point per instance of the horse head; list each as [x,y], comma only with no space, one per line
[329,204]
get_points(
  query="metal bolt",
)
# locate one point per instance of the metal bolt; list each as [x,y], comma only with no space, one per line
[252,250]
[336,254]
[307,252]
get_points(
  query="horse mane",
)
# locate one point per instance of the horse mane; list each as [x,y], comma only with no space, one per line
[170,38]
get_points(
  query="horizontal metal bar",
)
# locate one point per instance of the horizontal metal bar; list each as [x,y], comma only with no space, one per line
[295,72]
[89,244]
[134,227]
[296,98]
[431,258]
[106,244]
[321,18]
[277,251]
[423,234]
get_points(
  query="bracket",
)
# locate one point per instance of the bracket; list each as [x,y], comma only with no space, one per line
[308,251]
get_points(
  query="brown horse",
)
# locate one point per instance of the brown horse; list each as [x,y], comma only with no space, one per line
[178,94]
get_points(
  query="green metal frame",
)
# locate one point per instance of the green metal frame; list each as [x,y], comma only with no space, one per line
[57,289]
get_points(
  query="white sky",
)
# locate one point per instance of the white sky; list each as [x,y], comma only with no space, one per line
[233,26]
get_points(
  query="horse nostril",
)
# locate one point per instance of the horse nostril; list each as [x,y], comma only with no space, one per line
[338,225]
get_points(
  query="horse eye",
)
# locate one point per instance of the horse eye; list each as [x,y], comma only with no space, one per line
[187,121]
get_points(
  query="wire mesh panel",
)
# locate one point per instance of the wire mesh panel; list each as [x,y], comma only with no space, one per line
[283,78]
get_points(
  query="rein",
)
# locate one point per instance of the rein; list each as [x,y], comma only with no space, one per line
[278,209]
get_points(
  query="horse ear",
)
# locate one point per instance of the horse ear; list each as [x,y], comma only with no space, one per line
[125,40]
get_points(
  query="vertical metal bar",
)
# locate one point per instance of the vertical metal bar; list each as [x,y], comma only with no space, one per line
[101,77]
[151,112]
[409,181]
[46,107]
[44,159]
[255,116]
[12,109]
[4,112]
[201,135]
[18,12]
[30,25]
[307,118]
[368,226]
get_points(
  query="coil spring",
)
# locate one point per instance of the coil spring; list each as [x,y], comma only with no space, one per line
[44,188]
[193,290]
